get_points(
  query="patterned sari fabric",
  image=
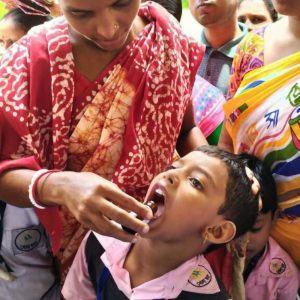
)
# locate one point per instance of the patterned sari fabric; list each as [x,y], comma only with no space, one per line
[264,119]
[140,98]
[208,106]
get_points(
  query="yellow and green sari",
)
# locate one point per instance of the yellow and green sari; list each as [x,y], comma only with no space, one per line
[264,119]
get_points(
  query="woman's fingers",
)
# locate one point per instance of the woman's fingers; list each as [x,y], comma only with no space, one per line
[123,200]
[122,217]
[107,227]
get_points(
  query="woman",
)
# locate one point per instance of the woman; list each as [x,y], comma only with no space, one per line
[35,6]
[262,118]
[104,100]
[16,24]
[256,13]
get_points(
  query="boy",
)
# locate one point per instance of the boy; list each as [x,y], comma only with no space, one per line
[269,272]
[203,199]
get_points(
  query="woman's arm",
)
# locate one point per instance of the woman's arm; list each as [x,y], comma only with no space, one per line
[190,136]
[93,200]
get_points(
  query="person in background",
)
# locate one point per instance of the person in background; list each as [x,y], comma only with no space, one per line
[221,34]
[174,7]
[27,267]
[97,110]
[269,271]
[16,23]
[262,115]
[36,6]
[203,200]
[256,13]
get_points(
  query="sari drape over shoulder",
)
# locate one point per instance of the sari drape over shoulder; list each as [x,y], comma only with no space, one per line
[124,128]
[264,119]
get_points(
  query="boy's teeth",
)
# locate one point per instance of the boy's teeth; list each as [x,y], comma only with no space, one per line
[159,191]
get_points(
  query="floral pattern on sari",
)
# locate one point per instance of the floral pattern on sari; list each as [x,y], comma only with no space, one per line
[249,56]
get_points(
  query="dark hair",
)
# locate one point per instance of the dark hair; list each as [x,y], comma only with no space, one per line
[23,20]
[241,205]
[267,183]
[174,7]
[270,7]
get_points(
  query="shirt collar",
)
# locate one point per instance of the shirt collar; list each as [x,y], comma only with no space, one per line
[194,275]
[229,48]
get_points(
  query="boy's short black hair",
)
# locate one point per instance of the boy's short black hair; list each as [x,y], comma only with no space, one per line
[267,183]
[240,205]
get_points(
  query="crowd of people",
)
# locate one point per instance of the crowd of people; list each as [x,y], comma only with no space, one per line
[139,163]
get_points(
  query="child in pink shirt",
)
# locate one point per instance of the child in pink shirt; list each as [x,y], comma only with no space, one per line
[270,273]
[204,199]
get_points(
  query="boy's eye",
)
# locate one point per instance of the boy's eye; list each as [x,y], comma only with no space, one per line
[254,230]
[195,183]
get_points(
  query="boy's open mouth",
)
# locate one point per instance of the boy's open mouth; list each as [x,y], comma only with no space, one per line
[158,197]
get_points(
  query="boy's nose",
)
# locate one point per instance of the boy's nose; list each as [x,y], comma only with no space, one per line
[171,177]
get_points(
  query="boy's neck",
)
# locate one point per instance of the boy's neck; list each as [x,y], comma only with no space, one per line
[149,259]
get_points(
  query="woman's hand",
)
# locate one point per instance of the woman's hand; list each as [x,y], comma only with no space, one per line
[95,202]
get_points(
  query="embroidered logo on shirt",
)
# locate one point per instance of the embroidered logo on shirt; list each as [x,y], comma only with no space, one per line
[277,266]
[200,277]
[26,240]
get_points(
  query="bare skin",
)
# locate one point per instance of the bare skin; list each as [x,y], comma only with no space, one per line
[191,195]
[95,30]
[214,16]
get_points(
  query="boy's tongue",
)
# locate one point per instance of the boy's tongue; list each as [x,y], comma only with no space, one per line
[160,210]
[156,203]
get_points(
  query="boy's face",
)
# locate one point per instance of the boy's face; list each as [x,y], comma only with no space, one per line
[189,196]
[259,235]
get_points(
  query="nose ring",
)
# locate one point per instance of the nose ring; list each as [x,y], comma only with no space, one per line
[116,27]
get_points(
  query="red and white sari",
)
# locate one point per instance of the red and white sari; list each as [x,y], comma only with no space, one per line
[123,126]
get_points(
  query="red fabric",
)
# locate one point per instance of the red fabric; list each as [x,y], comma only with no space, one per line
[39,109]
[221,263]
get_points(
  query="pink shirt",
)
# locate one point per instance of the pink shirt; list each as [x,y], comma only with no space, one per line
[274,277]
[194,275]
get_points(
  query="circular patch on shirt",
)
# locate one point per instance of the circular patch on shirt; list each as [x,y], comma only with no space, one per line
[200,277]
[28,239]
[277,266]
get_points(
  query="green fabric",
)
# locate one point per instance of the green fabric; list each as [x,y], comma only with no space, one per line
[213,138]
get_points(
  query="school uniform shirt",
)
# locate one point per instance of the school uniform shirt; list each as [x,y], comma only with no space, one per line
[194,276]
[26,264]
[274,277]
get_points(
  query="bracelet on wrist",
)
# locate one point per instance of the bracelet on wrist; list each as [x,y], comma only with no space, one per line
[32,188]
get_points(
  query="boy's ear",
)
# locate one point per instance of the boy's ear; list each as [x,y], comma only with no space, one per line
[220,234]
